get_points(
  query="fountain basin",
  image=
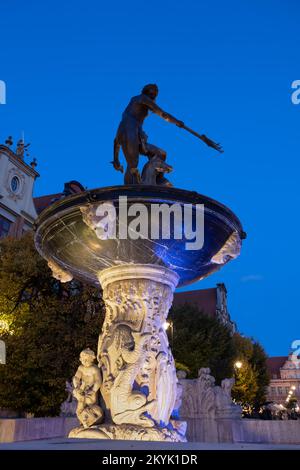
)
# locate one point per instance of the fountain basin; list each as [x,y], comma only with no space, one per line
[65,236]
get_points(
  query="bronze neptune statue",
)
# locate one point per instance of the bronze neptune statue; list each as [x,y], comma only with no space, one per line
[134,142]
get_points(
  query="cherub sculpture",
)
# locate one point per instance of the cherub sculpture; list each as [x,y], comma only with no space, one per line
[87,382]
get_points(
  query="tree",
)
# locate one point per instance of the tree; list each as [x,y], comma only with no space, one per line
[45,325]
[201,341]
[292,403]
[259,364]
[252,378]
[245,387]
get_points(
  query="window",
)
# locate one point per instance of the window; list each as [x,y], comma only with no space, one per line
[4,226]
[15,184]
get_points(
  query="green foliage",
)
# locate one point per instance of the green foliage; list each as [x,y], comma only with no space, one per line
[184,368]
[45,325]
[292,403]
[259,364]
[252,378]
[246,387]
[202,341]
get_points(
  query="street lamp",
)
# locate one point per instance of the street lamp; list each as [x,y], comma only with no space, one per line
[167,325]
[238,364]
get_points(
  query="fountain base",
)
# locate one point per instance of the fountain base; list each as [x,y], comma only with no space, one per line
[130,432]
[140,391]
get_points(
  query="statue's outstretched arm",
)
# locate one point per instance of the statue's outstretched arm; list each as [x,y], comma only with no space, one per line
[160,112]
[168,117]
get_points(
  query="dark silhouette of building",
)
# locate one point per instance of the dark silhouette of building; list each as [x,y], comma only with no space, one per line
[211,302]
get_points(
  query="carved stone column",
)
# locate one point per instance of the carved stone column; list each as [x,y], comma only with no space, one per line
[139,375]
[139,385]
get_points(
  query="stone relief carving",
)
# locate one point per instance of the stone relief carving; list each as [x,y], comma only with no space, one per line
[179,391]
[127,405]
[19,194]
[202,399]
[137,308]
[69,406]
[128,432]
[136,373]
[138,376]
[99,223]
[59,273]
[230,250]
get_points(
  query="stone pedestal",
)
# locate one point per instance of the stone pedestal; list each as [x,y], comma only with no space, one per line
[139,385]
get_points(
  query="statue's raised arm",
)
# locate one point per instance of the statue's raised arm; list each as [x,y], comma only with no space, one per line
[152,106]
[134,142]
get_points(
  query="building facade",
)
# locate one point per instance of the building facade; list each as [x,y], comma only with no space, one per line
[17,209]
[285,379]
[211,302]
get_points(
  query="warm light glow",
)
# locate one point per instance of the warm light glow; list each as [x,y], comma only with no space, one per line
[293,387]
[5,327]
[238,364]
[166,325]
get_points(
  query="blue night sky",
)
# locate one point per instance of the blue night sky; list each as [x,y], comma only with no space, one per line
[224,68]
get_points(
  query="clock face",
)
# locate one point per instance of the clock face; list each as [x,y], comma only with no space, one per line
[15,184]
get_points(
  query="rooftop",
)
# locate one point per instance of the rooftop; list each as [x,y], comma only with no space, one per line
[275,363]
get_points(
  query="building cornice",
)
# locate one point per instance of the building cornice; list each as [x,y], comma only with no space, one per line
[28,217]
[282,381]
[9,210]
[21,164]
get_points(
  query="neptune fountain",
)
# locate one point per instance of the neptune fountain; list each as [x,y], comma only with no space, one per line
[138,242]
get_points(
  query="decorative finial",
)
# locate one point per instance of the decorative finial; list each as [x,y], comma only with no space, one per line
[9,141]
[21,149]
[33,164]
